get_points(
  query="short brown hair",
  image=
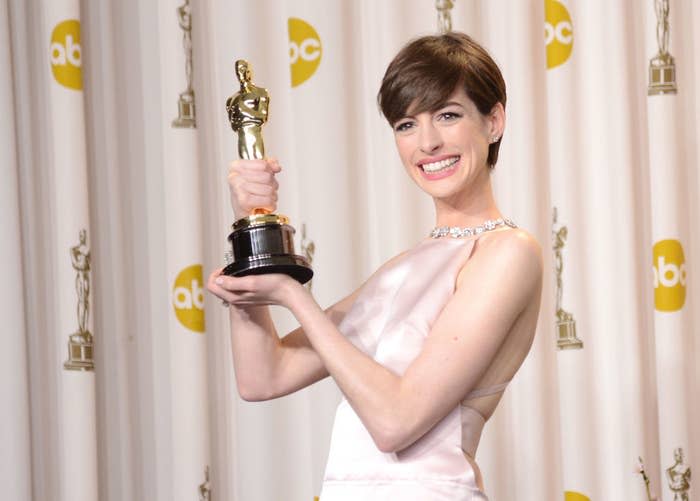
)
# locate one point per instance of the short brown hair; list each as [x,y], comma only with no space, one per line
[427,70]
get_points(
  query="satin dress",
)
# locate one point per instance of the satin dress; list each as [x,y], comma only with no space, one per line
[389,321]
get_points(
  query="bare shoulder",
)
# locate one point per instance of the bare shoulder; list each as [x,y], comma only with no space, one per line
[515,245]
[513,256]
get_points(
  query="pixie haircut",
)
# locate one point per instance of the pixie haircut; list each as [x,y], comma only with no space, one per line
[429,69]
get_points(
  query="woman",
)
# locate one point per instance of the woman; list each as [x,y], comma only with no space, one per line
[424,349]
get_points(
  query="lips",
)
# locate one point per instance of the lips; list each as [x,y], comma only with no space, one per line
[434,168]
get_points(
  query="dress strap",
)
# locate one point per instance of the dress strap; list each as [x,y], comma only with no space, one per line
[483,392]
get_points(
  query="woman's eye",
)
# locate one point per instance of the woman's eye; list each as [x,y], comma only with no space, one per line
[403,126]
[449,115]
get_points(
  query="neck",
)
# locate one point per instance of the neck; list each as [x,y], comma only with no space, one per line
[470,207]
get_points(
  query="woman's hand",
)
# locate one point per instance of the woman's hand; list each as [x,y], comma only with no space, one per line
[253,186]
[275,288]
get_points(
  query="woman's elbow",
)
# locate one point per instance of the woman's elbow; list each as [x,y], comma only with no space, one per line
[386,446]
[252,393]
[392,439]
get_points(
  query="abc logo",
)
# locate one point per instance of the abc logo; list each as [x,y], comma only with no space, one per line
[558,33]
[66,54]
[188,298]
[669,275]
[304,50]
[575,496]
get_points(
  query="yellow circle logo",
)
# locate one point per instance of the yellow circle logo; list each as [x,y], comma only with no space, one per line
[66,54]
[188,298]
[558,33]
[304,50]
[575,496]
[669,275]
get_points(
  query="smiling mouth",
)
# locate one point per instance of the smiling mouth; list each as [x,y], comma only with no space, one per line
[440,165]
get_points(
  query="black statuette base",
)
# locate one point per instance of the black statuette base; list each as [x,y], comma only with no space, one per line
[266,248]
[295,266]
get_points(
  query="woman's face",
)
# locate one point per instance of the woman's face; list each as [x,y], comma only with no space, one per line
[445,150]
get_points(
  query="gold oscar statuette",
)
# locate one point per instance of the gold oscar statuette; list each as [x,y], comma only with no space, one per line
[205,487]
[80,357]
[261,242]
[678,476]
[444,8]
[662,67]
[185,105]
[566,324]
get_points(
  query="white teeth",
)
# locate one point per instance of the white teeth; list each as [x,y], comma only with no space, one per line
[438,166]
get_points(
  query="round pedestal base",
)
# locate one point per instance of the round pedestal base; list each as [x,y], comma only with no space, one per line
[296,267]
[265,244]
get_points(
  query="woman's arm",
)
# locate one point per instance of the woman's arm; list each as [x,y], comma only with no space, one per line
[266,366]
[495,288]
[500,284]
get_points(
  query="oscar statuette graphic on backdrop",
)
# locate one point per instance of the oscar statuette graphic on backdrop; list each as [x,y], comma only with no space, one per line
[566,324]
[261,242]
[80,343]
[662,67]
[185,105]
[308,249]
[678,476]
[641,470]
[205,487]
[444,19]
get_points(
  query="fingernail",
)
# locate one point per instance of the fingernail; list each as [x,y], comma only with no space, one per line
[219,281]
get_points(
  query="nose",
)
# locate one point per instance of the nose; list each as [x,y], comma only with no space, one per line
[430,138]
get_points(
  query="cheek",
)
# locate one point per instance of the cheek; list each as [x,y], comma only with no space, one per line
[404,149]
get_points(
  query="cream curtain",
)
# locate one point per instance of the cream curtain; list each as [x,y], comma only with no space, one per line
[108,128]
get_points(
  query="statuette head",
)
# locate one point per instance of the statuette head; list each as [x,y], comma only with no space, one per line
[243,71]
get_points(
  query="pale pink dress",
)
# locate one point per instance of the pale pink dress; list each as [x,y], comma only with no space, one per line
[389,321]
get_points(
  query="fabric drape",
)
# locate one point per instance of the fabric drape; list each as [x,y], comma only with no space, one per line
[594,162]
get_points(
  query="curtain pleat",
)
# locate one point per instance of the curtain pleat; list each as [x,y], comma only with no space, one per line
[15,454]
[116,126]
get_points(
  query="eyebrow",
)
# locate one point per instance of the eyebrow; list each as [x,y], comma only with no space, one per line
[444,105]
[451,103]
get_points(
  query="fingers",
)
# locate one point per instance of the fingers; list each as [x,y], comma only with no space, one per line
[256,178]
[274,165]
[238,285]
[254,290]
[219,283]
[216,285]
[268,164]
[253,185]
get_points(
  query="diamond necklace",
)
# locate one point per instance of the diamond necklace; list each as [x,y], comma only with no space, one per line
[461,232]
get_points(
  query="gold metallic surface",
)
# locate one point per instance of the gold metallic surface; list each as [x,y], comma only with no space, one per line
[444,8]
[678,476]
[248,112]
[205,487]
[641,469]
[80,353]
[565,324]
[185,105]
[259,219]
[262,242]
[662,67]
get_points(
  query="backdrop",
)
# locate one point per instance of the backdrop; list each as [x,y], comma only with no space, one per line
[116,371]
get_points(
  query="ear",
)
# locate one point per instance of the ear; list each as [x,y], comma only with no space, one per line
[497,120]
